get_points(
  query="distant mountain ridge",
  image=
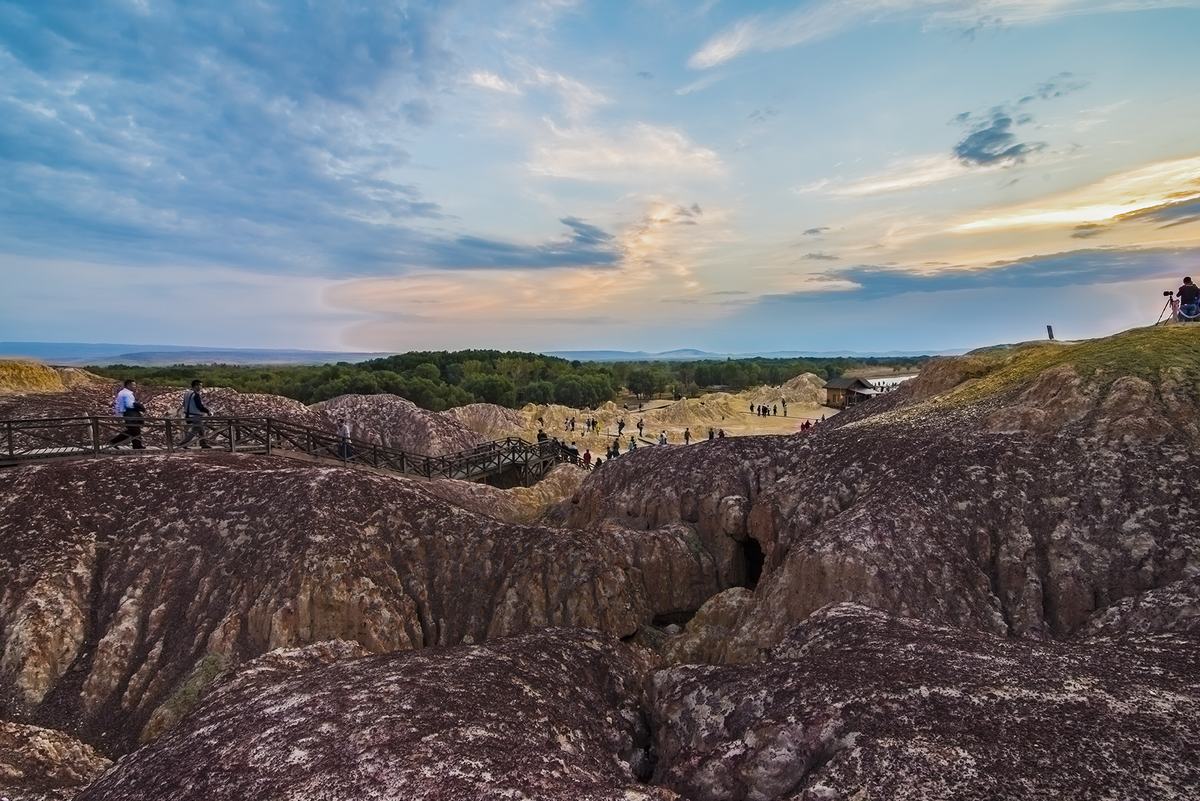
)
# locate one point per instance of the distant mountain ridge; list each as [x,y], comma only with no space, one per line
[693,354]
[102,353]
[143,355]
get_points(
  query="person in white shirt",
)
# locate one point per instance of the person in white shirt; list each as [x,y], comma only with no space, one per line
[126,406]
[344,448]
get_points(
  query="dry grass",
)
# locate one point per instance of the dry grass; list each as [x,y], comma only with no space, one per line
[1145,353]
[24,376]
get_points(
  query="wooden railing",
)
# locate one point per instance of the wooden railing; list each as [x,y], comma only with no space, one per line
[45,439]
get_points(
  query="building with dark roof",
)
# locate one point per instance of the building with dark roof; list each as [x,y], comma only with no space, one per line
[843,392]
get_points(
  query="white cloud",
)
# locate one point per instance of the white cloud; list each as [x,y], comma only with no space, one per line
[698,84]
[826,18]
[636,152]
[490,80]
[578,98]
[1104,201]
[900,176]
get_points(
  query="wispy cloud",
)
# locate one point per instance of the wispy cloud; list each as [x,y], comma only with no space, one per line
[990,142]
[699,84]
[1136,194]
[899,176]
[202,150]
[577,98]
[490,80]
[638,152]
[826,18]
[1071,268]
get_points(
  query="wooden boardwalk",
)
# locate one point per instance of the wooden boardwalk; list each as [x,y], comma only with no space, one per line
[511,461]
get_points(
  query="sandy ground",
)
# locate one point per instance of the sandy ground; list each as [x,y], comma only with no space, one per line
[717,411]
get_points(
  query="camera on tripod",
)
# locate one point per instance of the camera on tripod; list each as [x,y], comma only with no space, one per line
[1167,293]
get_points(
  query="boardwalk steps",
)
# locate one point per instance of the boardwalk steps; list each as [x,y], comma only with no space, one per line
[511,460]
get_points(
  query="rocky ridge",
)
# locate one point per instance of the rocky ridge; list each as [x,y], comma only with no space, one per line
[39,764]
[982,585]
[855,704]
[126,585]
[399,423]
[551,715]
[1020,502]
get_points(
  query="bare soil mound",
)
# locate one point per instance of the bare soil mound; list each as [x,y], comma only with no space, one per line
[399,423]
[25,376]
[806,389]
[516,505]
[489,420]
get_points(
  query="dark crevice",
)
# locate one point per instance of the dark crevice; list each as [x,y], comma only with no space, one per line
[645,756]
[997,585]
[752,562]
[679,617]
[59,708]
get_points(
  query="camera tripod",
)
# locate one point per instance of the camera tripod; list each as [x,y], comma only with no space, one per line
[1167,305]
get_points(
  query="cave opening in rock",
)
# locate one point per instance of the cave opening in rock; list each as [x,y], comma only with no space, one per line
[752,562]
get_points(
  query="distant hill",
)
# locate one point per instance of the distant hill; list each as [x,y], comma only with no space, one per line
[692,354]
[102,353]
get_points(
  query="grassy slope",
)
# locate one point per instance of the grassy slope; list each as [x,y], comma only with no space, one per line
[1142,352]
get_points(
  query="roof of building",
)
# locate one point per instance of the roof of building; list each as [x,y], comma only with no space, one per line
[848,383]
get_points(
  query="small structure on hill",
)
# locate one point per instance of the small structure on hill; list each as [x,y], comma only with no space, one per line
[841,393]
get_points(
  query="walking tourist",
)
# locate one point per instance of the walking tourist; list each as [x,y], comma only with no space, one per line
[127,406]
[194,411]
[687,436]
[343,432]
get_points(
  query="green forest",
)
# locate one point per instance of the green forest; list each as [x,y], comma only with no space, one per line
[439,380]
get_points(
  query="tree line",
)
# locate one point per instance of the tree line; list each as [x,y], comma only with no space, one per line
[439,380]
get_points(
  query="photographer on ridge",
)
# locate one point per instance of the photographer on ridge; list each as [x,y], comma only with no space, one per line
[1189,293]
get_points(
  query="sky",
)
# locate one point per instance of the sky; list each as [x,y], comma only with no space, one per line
[860,175]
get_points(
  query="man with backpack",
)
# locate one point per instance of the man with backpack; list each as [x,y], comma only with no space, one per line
[194,411]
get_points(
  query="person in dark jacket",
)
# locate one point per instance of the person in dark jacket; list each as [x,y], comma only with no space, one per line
[1189,293]
[195,411]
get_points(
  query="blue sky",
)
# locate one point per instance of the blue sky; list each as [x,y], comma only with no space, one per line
[549,174]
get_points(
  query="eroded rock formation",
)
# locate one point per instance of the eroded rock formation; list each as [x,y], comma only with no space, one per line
[1022,506]
[39,764]
[127,585]
[552,715]
[1018,532]
[399,423]
[856,704]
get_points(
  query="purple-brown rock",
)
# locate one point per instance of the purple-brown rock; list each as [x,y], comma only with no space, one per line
[856,704]
[552,715]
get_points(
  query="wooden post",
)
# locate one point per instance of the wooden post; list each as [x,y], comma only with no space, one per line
[374,454]
[95,434]
[170,437]
[268,436]
[8,430]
